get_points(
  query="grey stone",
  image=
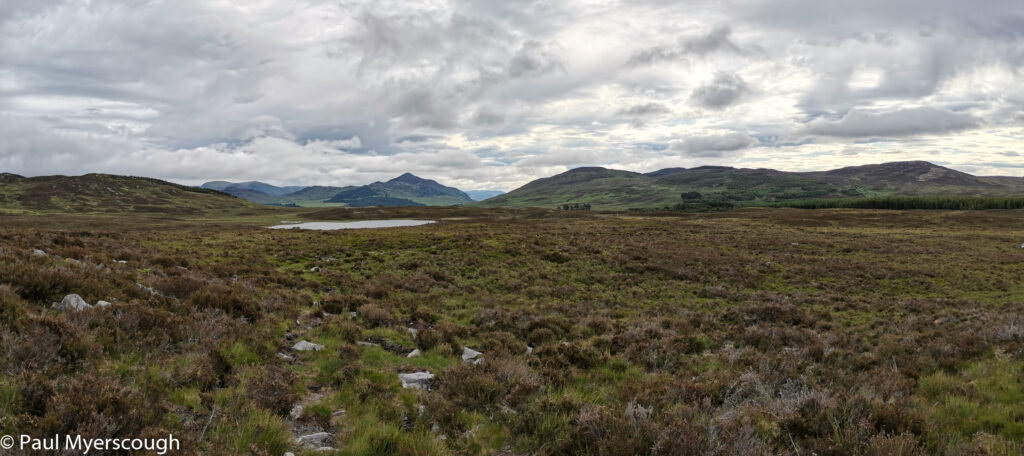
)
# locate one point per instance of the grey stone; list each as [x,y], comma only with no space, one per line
[420,380]
[468,354]
[315,269]
[102,303]
[529,350]
[286,357]
[38,253]
[315,439]
[296,412]
[289,454]
[73,302]
[304,345]
[413,332]
[414,353]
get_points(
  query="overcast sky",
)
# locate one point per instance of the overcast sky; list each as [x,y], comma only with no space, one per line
[490,94]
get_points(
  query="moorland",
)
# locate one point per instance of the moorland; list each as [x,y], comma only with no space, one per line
[753,331]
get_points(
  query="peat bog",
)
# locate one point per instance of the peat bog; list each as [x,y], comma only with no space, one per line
[755,331]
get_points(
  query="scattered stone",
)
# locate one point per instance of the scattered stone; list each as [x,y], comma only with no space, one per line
[367,344]
[149,290]
[122,262]
[420,380]
[392,347]
[286,357]
[289,454]
[413,332]
[289,336]
[296,412]
[315,269]
[72,302]
[304,345]
[1022,245]
[328,259]
[338,412]
[102,303]
[435,428]
[74,261]
[794,244]
[352,314]
[414,353]
[315,439]
[38,253]
[468,354]
[529,350]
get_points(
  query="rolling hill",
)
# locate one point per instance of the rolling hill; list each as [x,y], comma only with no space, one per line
[111,194]
[404,190]
[618,190]
[232,187]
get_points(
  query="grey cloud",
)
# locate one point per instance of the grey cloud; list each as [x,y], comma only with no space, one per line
[712,145]
[899,123]
[718,39]
[267,90]
[533,59]
[724,91]
[643,110]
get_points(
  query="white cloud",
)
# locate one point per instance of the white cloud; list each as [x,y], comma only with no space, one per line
[492,94]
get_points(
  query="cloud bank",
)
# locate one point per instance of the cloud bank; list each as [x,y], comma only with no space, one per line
[489,94]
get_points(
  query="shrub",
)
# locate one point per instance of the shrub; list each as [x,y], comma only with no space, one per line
[375,315]
[273,388]
[232,301]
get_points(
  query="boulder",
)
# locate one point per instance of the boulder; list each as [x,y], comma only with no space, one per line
[470,355]
[315,439]
[420,380]
[304,345]
[73,302]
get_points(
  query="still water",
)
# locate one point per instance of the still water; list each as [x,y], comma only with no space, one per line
[351,225]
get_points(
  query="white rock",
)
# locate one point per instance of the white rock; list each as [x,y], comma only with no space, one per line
[468,354]
[38,253]
[73,302]
[315,439]
[352,314]
[102,303]
[478,361]
[414,353]
[304,345]
[413,332]
[529,350]
[122,262]
[286,357]
[315,269]
[289,454]
[420,380]
[296,412]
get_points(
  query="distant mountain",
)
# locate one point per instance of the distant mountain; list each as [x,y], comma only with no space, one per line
[404,190]
[616,190]
[480,195]
[240,187]
[106,194]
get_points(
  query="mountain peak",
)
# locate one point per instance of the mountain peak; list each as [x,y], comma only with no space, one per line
[408,178]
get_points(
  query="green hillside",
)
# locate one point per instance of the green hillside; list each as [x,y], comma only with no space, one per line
[404,190]
[106,194]
[606,189]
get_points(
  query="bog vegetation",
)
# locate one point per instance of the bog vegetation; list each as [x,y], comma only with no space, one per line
[754,331]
